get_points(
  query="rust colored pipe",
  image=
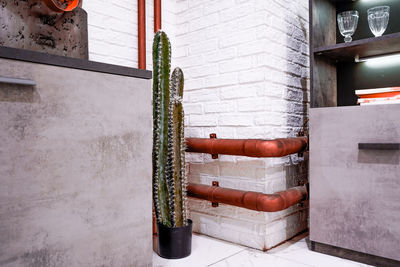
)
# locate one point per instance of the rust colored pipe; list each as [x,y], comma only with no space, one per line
[248,147]
[142,33]
[248,199]
[157,15]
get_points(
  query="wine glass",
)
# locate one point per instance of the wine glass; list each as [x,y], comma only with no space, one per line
[347,23]
[378,19]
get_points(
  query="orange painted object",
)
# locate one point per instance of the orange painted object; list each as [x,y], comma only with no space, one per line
[157,15]
[248,147]
[380,95]
[249,199]
[56,7]
[142,34]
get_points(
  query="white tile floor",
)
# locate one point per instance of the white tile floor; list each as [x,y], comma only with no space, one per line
[208,251]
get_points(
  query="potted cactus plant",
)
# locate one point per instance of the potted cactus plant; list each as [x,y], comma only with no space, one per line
[174,229]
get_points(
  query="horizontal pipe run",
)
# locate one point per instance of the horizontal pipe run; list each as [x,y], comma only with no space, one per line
[248,199]
[248,147]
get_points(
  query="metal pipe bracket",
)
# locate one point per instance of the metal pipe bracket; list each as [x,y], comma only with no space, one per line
[214,156]
[216,184]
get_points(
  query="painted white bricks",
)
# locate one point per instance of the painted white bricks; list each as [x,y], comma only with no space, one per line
[241,63]
[250,76]
[237,91]
[217,6]
[251,104]
[203,22]
[202,71]
[203,120]
[218,107]
[201,96]
[221,54]
[236,11]
[112,29]
[246,66]
[235,120]
[220,80]
[233,37]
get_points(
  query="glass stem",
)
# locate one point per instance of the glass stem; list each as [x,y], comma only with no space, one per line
[347,38]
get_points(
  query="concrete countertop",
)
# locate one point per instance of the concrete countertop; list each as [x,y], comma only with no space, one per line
[75,63]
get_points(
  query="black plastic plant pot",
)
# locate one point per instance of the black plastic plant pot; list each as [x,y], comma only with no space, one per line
[175,242]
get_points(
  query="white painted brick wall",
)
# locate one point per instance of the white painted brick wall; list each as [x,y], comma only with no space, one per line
[113,30]
[246,76]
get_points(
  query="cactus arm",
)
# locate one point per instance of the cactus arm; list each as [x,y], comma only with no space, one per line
[176,93]
[161,69]
[184,181]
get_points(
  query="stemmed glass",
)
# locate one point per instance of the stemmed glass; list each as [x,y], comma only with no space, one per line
[347,23]
[378,19]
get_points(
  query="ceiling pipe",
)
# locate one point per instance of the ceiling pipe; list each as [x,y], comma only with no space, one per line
[248,147]
[142,34]
[157,15]
[249,199]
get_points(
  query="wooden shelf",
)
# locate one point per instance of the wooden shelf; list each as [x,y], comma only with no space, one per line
[375,46]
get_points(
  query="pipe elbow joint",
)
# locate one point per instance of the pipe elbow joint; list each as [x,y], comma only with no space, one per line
[270,203]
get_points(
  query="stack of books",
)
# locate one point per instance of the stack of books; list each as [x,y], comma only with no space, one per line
[389,95]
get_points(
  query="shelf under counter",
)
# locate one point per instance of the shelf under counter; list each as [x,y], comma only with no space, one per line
[374,46]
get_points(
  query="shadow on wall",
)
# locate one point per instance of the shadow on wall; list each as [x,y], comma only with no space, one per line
[298,70]
[262,175]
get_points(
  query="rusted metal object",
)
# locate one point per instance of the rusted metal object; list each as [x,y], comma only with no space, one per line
[213,136]
[142,33]
[248,147]
[32,25]
[215,204]
[249,199]
[60,6]
[157,15]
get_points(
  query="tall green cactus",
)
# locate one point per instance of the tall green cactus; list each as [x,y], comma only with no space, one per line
[169,177]
[161,69]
